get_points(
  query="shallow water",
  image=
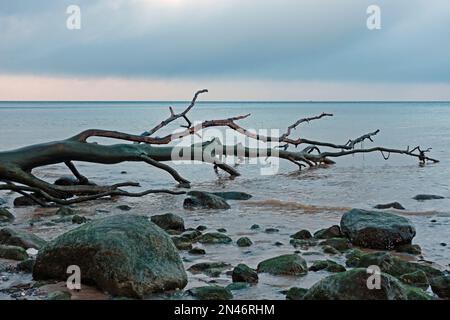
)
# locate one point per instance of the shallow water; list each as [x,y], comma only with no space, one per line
[288,200]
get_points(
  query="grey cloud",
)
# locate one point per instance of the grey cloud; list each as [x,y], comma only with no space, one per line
[271,39]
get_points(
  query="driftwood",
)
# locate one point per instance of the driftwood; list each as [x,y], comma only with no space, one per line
[16,166]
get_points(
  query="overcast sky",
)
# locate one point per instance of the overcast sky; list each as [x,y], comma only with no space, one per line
[239,49]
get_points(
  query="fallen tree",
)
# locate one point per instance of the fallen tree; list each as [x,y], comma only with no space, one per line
[16,166]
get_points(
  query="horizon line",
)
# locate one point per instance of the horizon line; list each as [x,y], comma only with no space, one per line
[225,101]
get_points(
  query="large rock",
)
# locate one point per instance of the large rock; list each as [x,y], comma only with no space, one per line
[13,253]
[395,266]
[125,255]
[288,264]
[441,286]
[214,238]
[14,237]
[331,232]
[352,285]
[169,221]
[211,293]
[200,199]
[6,216]
[424,197]
[243,273]
[377,230]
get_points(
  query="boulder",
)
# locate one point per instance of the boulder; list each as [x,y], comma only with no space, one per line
[393,205]
[214,238]
[243,273]
[296,293]
[125,255]
[352,285]
[414,293]
[417,279]
[441,286]
[424,197]
[181,243]
[414,249]
[6,216]
[303,244]
[340,244]
[200,199]
[211,293]
[23,201]
[327,265]
[66,181]
[244,242]
[212,269]
[13,253]
[377,230]
[302,235]
[14,237]
[331,232]
[169,221]
[197,251]
[395,266]
[288,264]
[330,250]
[233,195]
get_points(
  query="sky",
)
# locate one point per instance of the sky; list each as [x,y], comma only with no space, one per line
[238,49]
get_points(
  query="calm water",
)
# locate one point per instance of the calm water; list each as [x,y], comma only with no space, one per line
[283,200]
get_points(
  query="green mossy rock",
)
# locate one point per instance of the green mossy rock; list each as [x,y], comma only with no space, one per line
[417,279]
[212,269]
[414,293]
[13,237]
[214,238]
[59,295]
[302,235]
[414,249]
[331,232]
[289,264]
[243,273]
[244,242]
[441,286]
[200,199]
[340,244]
[296,293]
[211,293]
[377,230]
[13,253]
[6,216]
[352,285]
[327,265]
[125,255]
[238,286]
[169,221]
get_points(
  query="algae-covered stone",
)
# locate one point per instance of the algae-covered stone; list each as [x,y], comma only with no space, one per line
[414,249]
[59,295]
[417,279]
[214,238]
[296,293]
[212,269]
[331,232]
[353,257]
[414,293]
[377,230]
[244,242]
[13,253]
[169,221]
[6,216]
[211,293]
[330,250]
[441,286]
[243,273]
[182,243]
[125,255]
[340,244]
[328,265]
[238,286]
[395,266]
[302,235]
[288,264]
[200,199]
[197,251]
[26,240]
[352,285]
